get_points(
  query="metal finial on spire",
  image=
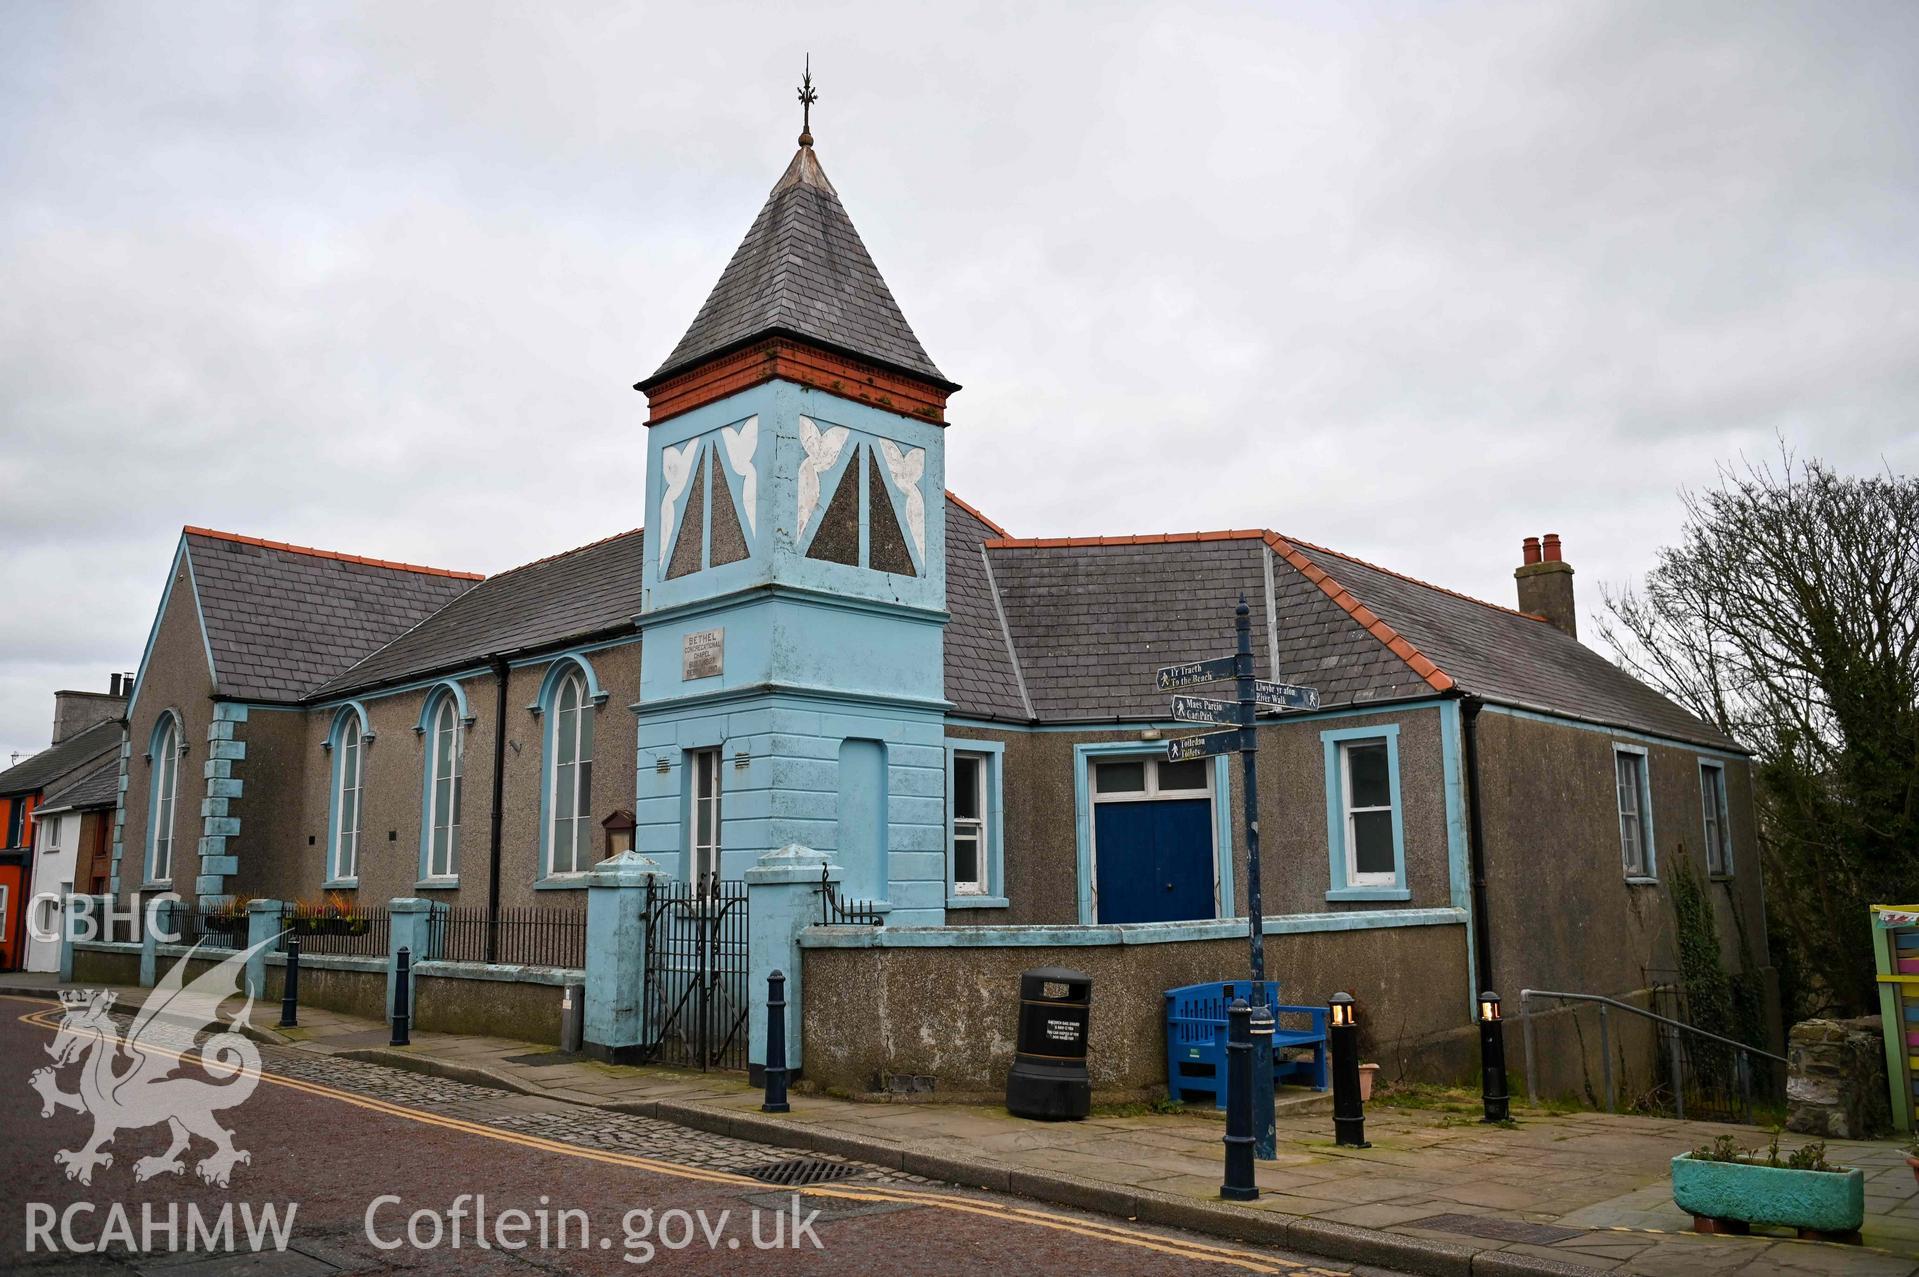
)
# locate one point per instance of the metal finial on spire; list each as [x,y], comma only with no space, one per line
[807,98]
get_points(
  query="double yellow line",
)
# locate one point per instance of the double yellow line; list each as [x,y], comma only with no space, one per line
[1117,1234]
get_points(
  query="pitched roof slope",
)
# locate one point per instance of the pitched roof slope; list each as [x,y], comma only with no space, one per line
[1092,623]
[592,590]
[802,269]
[1092,618]
[283,619]
[1511,658]
[981,679]
[51,766]
[97,788]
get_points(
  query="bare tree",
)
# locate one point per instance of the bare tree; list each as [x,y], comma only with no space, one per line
[1788,615]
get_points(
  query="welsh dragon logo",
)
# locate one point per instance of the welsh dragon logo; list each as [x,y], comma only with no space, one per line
[145,1090]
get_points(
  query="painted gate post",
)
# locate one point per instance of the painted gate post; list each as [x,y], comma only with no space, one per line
[782,900]
[72,907]
[263,923]
[616,891]
[161,914]
[410,918]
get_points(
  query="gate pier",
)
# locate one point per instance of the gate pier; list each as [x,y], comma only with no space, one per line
[616,943]
[784,892]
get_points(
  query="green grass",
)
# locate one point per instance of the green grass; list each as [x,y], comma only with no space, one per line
[1146,1108]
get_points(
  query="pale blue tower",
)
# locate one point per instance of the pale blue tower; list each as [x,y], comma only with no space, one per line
[792,685]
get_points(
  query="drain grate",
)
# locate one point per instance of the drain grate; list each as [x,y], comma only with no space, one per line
[805,1170]
[1499,1230]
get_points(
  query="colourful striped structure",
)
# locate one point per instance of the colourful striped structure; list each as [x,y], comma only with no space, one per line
[1895,948]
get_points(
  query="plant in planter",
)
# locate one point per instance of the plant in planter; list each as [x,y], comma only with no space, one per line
[1728,1189]
[333,916]
[228,918]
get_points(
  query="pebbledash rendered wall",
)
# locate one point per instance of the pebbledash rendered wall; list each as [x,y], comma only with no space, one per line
[944,1002]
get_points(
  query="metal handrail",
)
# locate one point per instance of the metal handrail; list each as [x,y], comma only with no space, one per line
[1673,1029]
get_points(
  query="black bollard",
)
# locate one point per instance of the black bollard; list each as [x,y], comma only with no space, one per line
[1492,1059]
[1349,1113]
[290,994]
[1238,1185]
[776,1045]
[403,961]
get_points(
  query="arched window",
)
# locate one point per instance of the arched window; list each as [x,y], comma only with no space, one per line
[166,783]
[569,801]
[349,750]
[444,768]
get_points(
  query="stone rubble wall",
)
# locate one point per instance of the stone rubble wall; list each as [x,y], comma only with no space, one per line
[1836,1079]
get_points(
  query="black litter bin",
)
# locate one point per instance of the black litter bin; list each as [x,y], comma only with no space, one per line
[1049,1078]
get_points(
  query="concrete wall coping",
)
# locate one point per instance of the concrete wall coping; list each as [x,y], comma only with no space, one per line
[105,946]
[332,962]
[817,937]
[505,973]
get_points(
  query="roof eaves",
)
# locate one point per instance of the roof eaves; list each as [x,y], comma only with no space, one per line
[1710,738]
[310,552]
[759,334]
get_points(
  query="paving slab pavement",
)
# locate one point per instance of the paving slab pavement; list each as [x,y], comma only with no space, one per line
[1435,1193]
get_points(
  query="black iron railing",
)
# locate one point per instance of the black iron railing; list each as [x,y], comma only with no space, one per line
[360,933]
[210,928]
[837,911]
[526,936]
[1697,1074]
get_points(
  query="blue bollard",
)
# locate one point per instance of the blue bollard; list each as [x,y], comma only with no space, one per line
[1238,1185]
[776,1045]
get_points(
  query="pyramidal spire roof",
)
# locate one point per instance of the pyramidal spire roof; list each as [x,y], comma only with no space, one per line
[803,271]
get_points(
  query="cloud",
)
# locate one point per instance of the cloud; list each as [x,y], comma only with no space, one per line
[1414,282]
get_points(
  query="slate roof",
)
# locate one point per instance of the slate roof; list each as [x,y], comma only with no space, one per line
[803,270]
[51,766]
[981,679]
[1092,618]
[1512,659]
[281,619]
[97,788]
[592,590]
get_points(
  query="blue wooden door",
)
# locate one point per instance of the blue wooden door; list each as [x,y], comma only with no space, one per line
[1155,860]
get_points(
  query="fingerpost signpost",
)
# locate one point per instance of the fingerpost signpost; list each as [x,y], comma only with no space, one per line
[1240,713]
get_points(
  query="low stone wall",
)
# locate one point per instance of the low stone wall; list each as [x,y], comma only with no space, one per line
[98,964]
[351,986]
[920,1004]
[522,1003]
[1836,1079]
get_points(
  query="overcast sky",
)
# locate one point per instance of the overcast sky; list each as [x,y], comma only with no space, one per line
[1410,281]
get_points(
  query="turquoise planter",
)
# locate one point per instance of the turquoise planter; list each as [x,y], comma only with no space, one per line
[1829,1201]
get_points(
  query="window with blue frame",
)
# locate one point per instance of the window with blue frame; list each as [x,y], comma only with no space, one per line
[975,846]
[165,757]
[1635,813]
[569,798]
[444,768]
[1718,821]
[349,752]
[1365,828]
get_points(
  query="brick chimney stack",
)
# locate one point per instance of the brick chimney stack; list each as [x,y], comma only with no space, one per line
[1546,583]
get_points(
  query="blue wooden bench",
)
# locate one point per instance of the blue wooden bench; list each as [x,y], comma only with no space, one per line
[1196,1031]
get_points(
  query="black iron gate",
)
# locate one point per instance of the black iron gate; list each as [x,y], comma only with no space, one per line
[695,987]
